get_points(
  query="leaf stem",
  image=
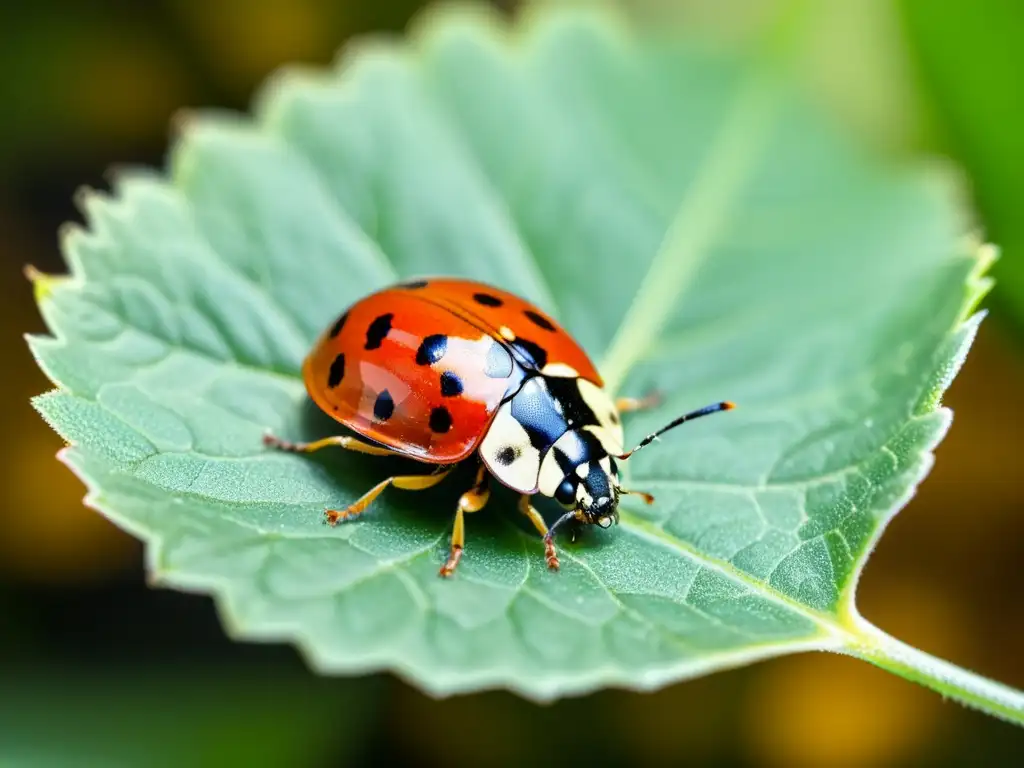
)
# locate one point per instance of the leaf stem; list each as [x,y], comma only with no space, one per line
[875,646]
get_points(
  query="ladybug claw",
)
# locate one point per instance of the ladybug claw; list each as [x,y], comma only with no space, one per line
[453,560]
[550,556]
[335,516]
[270,440]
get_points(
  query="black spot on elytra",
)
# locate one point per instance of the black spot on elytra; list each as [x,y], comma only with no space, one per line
[499,362]
[613,417]
[507,455]
[413,284]
[383,406]
[378,329]
[534,353]
[432,349]
[451,384]
[337,372]
[539,320]
[487,300]
[336,328]
[440,419]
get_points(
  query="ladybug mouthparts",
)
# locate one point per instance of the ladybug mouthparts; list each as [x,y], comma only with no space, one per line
[598,496]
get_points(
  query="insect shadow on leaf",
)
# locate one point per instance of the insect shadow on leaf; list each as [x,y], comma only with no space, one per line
[355,470]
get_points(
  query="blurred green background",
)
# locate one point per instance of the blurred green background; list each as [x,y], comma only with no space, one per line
[96,668]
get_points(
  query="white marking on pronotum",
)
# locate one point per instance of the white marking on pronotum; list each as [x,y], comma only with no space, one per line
[506,435]
[551,475]
[608,429]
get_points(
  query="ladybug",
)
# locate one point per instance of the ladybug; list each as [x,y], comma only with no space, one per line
[443,370]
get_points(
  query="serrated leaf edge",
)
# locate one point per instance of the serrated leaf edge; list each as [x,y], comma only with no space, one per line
[848,636]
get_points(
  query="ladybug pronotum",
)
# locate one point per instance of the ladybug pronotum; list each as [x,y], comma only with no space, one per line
[442,370]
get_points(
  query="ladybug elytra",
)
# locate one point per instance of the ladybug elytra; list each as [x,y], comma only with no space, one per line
[440,369]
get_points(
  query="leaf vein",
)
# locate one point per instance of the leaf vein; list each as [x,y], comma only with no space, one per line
[624,609]
[652,532]
[690,236]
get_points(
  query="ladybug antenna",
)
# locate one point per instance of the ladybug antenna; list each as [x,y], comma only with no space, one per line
[725,405]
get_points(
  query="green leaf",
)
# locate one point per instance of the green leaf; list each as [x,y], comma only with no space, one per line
[696,224]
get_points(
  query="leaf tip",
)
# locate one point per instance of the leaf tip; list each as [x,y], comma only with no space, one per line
[38,402]
[42,283]
[67,234]
[43,404]
[979,281]
[82,197]
[273,99]
[606,19]
[63,456]
[458,13]
[986,254]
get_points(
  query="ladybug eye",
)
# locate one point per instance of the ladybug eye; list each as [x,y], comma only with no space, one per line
[566,493]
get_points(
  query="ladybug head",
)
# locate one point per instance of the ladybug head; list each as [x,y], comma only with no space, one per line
[597,496]
[591,493]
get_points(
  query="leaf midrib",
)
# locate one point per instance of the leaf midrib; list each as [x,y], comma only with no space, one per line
[828,623]
[684,249]
[635,614]
[687,242]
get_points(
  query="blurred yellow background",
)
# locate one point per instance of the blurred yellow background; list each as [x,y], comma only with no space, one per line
[88,85]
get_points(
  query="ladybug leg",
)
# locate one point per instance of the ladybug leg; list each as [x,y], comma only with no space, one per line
[405,482]
[349,443]
[630,404]
[538,522]
[472,500]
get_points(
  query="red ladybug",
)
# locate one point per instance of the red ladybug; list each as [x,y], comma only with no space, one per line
[440,369]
